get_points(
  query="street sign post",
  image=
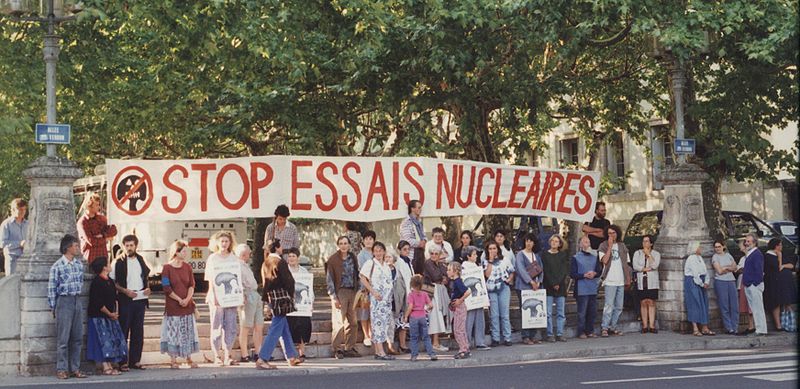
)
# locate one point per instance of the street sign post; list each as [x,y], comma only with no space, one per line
[53,133]
[684,146]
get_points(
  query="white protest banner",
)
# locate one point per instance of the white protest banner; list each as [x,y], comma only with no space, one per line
[341,188]
[534,308]
[225,277]
[472,277]
[303,294]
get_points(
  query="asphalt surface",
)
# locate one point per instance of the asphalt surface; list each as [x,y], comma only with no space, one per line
[764,368]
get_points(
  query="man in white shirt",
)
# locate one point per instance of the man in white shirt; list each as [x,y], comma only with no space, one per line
[438,241]
[130,274]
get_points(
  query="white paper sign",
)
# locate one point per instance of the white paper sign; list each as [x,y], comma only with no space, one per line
[303,294]
[473,279]
[534,308]
[226,279]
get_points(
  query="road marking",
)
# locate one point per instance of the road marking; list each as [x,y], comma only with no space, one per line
[680,377]
[741,366]
[660,362]
[779,377]
[664,356]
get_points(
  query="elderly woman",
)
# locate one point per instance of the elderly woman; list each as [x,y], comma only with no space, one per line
[251,314]
[645,263]
[695,285]
[435,276]
[376,277]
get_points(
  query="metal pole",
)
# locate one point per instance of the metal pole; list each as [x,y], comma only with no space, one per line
[678,82]
[50,51]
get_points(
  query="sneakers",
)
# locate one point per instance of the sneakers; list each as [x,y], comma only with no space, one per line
[368,342]
[483,347]
[434,357]
[440,348]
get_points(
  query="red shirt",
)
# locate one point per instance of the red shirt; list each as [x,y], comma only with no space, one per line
[177,280]
[88,229]
[418,299]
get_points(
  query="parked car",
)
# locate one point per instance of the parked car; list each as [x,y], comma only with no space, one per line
[737,225]
[516,229]
[786,227]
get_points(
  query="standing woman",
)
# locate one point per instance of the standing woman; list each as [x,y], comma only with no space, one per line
[223,320]
[505,253]
[499,276]
[376,277]
[93,229]
[466,238]
[278,293]
[530,274]
[556,280]
[616,277]
[645,264]
[299,326]
[725,286]
[402,287]
[178,330]
[251,314]
[105,343]
[780,289]
[435,276]
[695,295]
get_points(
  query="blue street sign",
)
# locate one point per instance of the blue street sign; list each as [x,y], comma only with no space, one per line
[53,133]
[684,146]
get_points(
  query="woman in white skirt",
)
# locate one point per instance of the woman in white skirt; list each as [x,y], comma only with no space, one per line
[435,274]
[178,330]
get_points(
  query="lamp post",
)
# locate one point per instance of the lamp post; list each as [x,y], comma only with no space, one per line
[50,14]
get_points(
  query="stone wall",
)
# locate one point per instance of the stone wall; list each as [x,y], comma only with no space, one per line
[9,325]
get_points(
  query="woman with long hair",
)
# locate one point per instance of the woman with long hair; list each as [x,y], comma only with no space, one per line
[278,290]
[223,319]
[93,228]
[499,278]
[645,264]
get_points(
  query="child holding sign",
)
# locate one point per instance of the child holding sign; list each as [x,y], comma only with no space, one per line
[459,292]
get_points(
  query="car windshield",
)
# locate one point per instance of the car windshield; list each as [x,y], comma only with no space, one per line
[787,229]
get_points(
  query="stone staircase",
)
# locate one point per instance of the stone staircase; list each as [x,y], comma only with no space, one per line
[319,346]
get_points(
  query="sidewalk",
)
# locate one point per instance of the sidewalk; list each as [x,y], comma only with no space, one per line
[630,343]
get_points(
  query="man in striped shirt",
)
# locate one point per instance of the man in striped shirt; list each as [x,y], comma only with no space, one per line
[63,296]
[411,231]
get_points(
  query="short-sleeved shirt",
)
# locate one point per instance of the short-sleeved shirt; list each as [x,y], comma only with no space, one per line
[418,299]
[597,223]
[458,289]
[724,260]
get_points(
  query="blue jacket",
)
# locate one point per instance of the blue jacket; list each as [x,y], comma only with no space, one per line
[581,263]
[523,280]
[753,269]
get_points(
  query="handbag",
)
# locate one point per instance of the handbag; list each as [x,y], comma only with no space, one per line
[789,320]
[280,302]
[534,269]
[362,296]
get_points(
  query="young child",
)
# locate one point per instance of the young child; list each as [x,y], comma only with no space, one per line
[458,294]
[419,303]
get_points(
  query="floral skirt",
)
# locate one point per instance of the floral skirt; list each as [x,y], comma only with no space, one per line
[105,342]
[179,336]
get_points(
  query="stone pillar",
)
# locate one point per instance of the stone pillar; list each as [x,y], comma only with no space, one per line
[51,215]
[683,221]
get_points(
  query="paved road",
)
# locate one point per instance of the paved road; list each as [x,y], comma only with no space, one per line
[770,368]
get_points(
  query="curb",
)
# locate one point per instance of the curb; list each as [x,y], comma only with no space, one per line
[596,349]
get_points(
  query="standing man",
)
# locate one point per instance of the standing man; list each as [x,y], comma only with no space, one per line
[753,281]
[93,229]
[130,274]
[283,230]
[596,230]
[438,241]
[411,231]
[63,296]
[341,280]
[12,234]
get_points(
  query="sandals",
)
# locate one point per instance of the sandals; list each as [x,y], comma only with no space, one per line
[110,372]
[174,365]
[616,333]
[385,357]
[709,333]
[124,368]
[78,374]
[462,355]
[604,333]
[295,361]
[697,333]
[62,375]
[261,365]
[192,364]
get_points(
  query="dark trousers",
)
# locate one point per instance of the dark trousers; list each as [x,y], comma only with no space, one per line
[131,319]
[587,312]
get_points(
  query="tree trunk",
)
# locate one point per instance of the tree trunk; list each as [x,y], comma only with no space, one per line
[452,229]
[258,242]
[712,208]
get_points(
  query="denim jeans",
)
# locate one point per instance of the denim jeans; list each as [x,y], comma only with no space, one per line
[755,298]
[278,329]
[69,333]
[728,301]
[556,314]
[499,302]
[613,306]
[418,326]
[476,327]
[529,333]
[587,311]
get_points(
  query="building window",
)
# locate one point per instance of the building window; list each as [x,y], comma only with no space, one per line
[616,162]
[662,153]
[569,152]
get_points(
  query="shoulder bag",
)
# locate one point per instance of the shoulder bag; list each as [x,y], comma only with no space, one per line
[280,302]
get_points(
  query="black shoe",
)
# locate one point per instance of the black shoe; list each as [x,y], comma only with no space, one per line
[561,339]
[654,330]
[495,343]
[507,343]
[339,354]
